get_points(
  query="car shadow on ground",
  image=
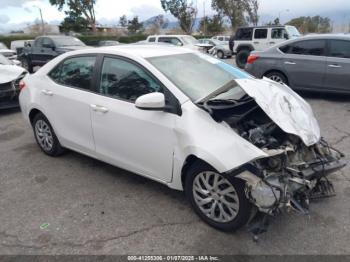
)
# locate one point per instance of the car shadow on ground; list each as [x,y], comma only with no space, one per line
[325,96]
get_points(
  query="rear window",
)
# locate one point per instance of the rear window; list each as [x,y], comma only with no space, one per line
[307,47]
[244,34]
[340,48]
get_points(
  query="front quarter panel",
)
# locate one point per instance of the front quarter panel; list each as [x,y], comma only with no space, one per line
[216,143]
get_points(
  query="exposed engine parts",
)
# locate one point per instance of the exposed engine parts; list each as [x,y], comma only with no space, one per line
[291,175]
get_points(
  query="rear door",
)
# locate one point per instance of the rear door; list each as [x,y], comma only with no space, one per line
[66,98]
[305,63]
[260,39]
[338,66]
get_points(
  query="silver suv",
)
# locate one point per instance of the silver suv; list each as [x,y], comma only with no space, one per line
[260,38]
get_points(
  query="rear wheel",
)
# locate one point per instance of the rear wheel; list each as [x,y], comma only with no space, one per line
[45,136]
[242,57]
[219,200]
[220,54]
[277,77]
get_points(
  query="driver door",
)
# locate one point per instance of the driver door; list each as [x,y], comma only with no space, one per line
[141,141]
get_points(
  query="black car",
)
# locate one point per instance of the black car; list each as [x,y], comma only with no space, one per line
[10,77]
[45,48]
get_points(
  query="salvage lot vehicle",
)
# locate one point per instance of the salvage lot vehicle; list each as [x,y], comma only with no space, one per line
[187,41]
[315,63]
[217,47]
[10,77]
[248,39]
[8,53]
[234,143]
[45,48]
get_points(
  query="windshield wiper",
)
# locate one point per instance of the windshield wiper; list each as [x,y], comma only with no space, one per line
[225,88]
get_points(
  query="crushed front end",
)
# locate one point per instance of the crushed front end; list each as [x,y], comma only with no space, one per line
[294,172]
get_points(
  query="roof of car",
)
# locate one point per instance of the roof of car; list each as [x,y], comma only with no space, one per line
[263,26]
[140,50]
[326,36]
[168,35]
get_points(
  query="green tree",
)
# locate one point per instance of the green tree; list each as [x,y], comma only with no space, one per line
[83,7]
[74,22]
[123,21]
[185,13]
[315,24]
[234,10]
[212,26]
[252,8]
[134,26]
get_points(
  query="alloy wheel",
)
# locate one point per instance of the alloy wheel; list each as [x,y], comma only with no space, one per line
[215,196]
[44,135]
[277,79]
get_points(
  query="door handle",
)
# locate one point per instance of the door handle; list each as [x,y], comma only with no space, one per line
[334,66]
[47,92]
[256,43]
[98,108]
[289,63]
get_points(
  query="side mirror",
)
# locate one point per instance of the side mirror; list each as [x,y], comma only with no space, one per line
[151,101]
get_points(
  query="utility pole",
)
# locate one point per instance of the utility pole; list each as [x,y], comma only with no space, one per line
[204,20]
[42,20]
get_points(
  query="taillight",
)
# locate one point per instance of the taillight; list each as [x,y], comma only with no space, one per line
[21,85]
[252,58]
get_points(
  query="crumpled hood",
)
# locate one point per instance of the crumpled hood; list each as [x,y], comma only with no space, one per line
[286,108]
[9,73]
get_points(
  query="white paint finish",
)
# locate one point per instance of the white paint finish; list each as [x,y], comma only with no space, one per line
[151,101]
[286,108]
[68,110]
[141,141]
[9,73]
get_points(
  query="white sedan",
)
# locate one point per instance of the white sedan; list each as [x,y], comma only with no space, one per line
[233,143]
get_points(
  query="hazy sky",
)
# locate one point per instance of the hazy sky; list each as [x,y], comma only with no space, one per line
[19,12]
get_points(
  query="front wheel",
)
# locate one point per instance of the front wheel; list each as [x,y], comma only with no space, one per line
[242,57]
[277,77]
[220,54]
[218,200]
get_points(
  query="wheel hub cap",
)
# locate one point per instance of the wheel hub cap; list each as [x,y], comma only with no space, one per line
[44,135]
[215,196]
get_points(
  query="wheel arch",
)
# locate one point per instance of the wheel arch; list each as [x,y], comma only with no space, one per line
[278,71]
[244,47]
[32,113]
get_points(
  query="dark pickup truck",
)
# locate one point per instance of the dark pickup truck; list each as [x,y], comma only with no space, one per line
[45,48]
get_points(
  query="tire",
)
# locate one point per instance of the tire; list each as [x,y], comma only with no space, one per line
[46,137]
[220,54]
[235,197]
[242,57]
[277,77]
[26,64]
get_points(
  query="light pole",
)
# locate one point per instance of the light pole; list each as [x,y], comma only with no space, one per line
[42,20]
[279,14]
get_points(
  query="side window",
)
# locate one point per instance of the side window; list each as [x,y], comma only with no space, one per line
[308,47]
[75,72]
[244,34]
[221,38]
[260,34]
[124,80]
[152,39]
[285,49]
[340,48]
[38,42]
[278,33]
[170,40]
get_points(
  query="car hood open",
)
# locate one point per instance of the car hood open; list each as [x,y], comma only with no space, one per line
[286,108]
[9,73]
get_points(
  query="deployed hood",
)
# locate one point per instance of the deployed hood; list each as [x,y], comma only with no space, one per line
[9,73]
[287,109]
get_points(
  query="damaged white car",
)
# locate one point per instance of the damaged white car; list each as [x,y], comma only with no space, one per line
[10,77]
[240,147]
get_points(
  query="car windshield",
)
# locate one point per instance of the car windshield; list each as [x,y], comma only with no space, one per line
[3,46]
[217,42]
[292,31]
[68,41]
[199,75]
[4,60]
[189,40]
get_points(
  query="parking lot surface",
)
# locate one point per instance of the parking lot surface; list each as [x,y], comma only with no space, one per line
[77,205]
